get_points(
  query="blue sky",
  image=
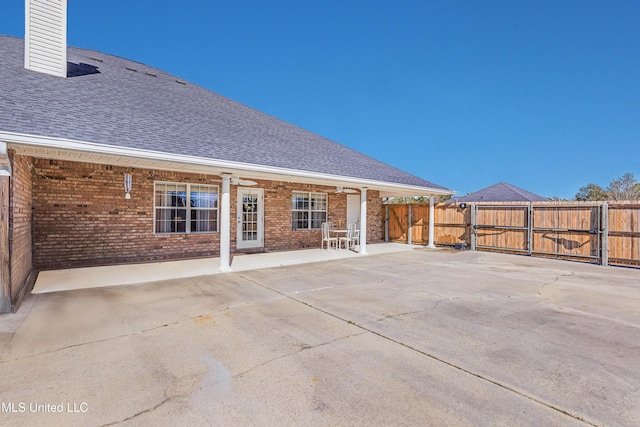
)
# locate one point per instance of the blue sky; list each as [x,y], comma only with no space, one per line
[542,94]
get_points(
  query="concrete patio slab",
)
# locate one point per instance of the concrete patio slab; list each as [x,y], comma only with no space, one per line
[418,337]
[128,274]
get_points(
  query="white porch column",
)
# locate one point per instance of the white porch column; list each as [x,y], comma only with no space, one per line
[225,224]
[363,221]
[432,237]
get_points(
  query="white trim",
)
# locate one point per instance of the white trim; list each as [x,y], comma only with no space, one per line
[363,221]
[432,237]
[245,169]
[353,208]
[225,224]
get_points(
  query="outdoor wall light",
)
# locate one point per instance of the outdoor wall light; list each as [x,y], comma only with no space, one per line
[127,185]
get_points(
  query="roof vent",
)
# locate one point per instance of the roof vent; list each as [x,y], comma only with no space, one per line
[45,49]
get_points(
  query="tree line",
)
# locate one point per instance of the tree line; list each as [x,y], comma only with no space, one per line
[624,188]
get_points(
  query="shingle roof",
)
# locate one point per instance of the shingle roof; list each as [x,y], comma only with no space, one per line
[114,101]
[501,192]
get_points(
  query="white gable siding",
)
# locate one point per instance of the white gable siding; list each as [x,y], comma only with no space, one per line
[46,36]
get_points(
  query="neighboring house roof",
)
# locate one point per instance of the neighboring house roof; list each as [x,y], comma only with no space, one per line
[113,101]
[501,192]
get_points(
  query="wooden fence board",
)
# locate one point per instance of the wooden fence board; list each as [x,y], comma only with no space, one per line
[513,240]
[577,244]
[5,272]
[624,229]
[420,224]
[398,223]
[451,225]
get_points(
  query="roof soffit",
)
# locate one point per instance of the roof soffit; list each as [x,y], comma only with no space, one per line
[51,148]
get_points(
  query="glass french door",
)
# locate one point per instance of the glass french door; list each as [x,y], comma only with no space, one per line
[250,218]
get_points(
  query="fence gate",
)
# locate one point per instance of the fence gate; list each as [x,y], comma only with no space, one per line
[501,227]
[558,230]
[624,234]
[567,231]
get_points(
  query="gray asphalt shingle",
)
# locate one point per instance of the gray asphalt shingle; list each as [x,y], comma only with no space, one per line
[501,192]
[106,102]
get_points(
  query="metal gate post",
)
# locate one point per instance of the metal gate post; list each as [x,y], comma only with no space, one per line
[386,223]
[409,226]
[472,227]
[604,251]
[530,229]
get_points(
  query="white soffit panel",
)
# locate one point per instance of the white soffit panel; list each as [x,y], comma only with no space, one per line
[46,36]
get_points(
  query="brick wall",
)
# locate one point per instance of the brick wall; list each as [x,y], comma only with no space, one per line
[82,218]
[21,221]
[375,221]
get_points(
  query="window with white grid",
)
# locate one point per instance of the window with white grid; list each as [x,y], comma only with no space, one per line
[308,210]
[185,208]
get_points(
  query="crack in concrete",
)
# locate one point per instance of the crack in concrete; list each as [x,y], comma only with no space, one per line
[392,316]
[554,281]
[437,303]
[300,350]
[28,356]
[436,358]
[310,290]
[139,413]
[379,282]
[140,332]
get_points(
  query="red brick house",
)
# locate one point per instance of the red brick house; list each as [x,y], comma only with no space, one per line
[105,161]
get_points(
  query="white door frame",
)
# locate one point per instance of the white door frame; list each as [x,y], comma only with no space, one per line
[353,208]
[256,224]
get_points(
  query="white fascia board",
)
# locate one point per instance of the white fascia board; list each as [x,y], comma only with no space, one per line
[277,173]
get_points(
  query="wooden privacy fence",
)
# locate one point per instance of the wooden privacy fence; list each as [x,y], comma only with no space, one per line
[608,233]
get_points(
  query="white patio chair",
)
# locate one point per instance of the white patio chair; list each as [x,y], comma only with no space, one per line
[326,236]
[348,239]
[355,238]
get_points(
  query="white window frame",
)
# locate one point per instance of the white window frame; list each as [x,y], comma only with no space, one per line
[309,210]
[188,209]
